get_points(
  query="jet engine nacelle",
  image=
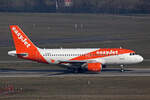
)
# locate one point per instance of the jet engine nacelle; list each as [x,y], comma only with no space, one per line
[95,67]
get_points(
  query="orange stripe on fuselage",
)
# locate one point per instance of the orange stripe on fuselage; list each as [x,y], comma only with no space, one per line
[103,53]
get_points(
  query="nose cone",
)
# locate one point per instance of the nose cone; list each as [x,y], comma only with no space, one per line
[140,58]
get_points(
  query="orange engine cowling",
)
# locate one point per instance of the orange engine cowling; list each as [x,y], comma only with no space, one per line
[95,67]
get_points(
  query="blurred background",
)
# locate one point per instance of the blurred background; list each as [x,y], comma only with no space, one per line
[77,6]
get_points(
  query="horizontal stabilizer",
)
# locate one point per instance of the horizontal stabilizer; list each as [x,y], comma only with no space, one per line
[13,53]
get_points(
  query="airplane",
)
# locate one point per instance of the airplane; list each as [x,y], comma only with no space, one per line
[75,59]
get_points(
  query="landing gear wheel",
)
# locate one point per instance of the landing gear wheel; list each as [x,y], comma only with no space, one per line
[77,70]
[70,69]
[73,70]
[122,68]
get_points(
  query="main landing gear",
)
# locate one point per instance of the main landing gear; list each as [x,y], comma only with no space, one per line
[75,70]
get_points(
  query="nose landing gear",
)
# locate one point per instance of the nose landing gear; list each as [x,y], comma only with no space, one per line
[122,68]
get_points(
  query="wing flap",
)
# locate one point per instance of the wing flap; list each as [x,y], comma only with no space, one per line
[72,61]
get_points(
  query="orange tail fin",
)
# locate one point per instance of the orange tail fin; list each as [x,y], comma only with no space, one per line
[24,47]
[22,42]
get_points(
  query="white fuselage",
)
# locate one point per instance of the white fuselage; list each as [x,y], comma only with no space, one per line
[68,54]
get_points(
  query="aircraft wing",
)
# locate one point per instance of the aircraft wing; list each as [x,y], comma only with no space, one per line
[72,61]
[81,65]
[77,61]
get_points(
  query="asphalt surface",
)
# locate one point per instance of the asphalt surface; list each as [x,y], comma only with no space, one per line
[108,72]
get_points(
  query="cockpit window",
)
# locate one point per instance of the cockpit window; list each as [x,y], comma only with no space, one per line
[132,54]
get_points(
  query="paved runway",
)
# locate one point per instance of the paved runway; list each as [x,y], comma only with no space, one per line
[107,72]
[64,73]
